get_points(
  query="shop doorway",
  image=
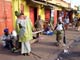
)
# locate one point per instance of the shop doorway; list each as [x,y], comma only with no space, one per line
[47,14]
[33,14]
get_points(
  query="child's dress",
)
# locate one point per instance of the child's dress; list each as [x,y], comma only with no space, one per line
[59,30]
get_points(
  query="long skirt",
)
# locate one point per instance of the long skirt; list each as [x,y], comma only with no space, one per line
[59,37]
[25,47]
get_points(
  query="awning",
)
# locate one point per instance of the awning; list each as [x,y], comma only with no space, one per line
[43,3]
[48,4]
[59,6]
[39,2]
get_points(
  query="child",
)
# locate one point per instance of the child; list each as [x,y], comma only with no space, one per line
[7,41]
[14,39]
[59,30]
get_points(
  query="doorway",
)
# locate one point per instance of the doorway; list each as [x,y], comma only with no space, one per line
[47,14]
[33,14]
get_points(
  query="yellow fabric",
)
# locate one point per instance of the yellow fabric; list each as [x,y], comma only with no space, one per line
[17,27]
[28,32]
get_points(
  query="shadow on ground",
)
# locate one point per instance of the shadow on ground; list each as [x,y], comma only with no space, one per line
[4,51]
[48,43]
[69,56]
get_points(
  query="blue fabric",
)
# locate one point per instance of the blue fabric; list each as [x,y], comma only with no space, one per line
[47,29]
[48,33]
[6,30]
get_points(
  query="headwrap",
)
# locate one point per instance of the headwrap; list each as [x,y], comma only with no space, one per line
[6,30]
[17,13]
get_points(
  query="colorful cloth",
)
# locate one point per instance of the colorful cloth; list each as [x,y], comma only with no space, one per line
[59,36]
[25,47]
[25,33]
[39,24]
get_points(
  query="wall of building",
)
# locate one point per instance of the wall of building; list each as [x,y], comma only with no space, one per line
[6,20]
[17,6]
[59,2]
[41,12]
[14,8]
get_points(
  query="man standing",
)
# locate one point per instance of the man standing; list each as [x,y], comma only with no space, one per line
[38,25]
[66,22]
[25,34]
[60,19]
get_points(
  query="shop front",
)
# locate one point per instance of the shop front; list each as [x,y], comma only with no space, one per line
[47,14]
